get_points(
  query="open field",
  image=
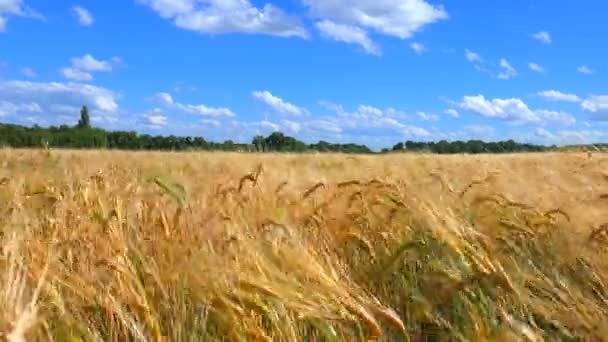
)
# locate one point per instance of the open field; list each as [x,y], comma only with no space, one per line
[189,247]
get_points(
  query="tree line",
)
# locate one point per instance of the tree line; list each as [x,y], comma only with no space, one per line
[83,135]
[471,146]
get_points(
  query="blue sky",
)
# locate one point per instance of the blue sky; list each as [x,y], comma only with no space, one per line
[373,72]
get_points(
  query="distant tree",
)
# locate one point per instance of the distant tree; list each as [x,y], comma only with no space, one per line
[259,142]
[85,121]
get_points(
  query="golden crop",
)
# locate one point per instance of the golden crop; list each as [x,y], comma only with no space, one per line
[142,246]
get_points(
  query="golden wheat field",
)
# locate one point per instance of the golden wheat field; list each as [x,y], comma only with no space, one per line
[142,246]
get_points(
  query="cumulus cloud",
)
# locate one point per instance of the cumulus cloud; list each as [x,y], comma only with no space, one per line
[89,63]
[472,57]
[167,100]
[396,18]
[15,8]
[513,110]
[427,117]
[597,106]
[556,116]
[583,69]
[277,103]
[351,21]
[418,48]
[452,112]
[228,16]
[508,71]
[55,101]
[535,67]
[269,125]
[543,36]
[369,110]
[292,126]
[9,108]
[372,121]
[543,133]
[76,75]
[154,119]
[555,95]
[348,34]
[507,109]
[327,125]
[158,120]
[82,68]
[85,18]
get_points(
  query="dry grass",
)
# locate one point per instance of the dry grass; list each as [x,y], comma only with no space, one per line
[188,247]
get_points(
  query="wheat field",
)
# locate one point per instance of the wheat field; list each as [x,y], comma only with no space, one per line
[144,246]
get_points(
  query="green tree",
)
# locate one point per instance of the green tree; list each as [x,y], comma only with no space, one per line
[85,121]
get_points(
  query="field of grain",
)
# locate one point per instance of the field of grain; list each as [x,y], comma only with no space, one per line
[118,246]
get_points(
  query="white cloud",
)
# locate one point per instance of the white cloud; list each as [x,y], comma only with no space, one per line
[396,18]
[561,117]
[324,125]
[228,16]
[167,100]
[24,97]
[507,109]
[85,18]
[452,112]
[413,131]
[83,67]
[597,105]
[8,108]
[368,121]
[89,63]
[334,107]
[583,69]
[418,48]
[369,110]
[543,36]
[373,116]
[427,117]
[555,95]
[472,57]
[28,72]
[513,109]
[76,75]
[12,7]
[170,8]
[15,8]
[508,70]
[535,67]
[154,119]
[543,133]
[292,126]
[278,103]
[269,125]
[348,34]
[157,120]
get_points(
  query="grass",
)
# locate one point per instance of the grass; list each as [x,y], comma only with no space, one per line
[187,247]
